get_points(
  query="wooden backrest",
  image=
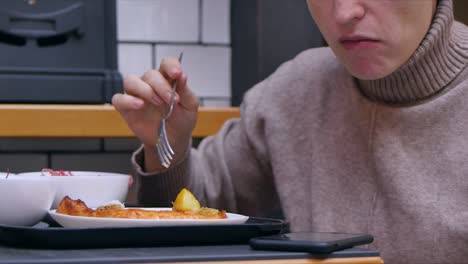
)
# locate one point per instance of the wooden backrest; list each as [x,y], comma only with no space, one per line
[86,121]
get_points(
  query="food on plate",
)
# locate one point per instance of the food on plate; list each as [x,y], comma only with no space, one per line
[186,201]
[186,209]
[114,204]
[52,172]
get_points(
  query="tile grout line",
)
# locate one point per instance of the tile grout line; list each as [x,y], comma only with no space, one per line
[200,21]
[153,55]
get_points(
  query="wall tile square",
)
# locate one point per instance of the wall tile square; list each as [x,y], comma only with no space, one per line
[109,162]
[121,144]
[216,16]
[49,144]
[158,20]
[134,58]
[27,162]
[135,19]
[208,67]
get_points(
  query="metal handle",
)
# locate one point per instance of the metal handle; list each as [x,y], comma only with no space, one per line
[41,25]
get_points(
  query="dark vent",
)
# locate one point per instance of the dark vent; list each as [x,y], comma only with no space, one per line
[58,51]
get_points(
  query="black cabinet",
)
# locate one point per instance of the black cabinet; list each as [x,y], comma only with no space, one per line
[264,34]
[58,51]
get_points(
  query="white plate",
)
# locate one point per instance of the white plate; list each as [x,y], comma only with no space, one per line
[90,222]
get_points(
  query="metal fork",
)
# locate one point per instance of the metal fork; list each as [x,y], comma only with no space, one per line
[165,152]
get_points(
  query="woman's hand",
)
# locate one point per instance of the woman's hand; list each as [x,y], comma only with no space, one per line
[146,101]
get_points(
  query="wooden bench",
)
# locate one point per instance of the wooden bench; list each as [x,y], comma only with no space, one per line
[88,121]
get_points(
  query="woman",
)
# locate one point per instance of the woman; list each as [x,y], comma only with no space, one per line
[368,136]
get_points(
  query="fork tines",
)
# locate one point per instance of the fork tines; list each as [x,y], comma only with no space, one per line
[165,151]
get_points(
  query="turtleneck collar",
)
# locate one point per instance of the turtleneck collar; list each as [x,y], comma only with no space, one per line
[440,57]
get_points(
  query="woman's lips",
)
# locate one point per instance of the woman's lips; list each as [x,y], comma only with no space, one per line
[358,43]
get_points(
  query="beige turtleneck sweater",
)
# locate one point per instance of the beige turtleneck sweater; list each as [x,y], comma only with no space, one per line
[387,157]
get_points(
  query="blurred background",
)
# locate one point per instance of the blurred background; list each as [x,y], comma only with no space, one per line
[228,47]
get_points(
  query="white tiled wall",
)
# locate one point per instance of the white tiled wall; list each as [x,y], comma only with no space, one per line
[134,58]
[158,20]
[148,30]
[216,22]
[209,67]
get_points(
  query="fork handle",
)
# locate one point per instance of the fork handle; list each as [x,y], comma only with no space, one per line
[174,85]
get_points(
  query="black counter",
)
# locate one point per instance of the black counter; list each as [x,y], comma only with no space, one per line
[160,254]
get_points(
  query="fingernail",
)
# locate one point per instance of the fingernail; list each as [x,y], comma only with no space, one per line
[184,79]
[175,72]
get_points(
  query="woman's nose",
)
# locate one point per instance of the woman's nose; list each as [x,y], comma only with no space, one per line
[348,11]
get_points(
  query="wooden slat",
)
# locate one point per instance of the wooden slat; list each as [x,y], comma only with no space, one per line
[69,121]
[210,120]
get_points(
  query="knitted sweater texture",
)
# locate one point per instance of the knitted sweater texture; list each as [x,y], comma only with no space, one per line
[387,157]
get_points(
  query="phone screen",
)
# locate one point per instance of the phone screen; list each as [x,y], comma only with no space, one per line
[319,237]
[316,242]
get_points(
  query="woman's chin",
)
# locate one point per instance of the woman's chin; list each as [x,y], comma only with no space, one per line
[367,77]
[369,66]
[369,73]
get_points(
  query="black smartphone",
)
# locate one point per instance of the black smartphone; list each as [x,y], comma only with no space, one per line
[312,242]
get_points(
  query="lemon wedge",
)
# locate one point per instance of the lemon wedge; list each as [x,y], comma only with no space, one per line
[186,201]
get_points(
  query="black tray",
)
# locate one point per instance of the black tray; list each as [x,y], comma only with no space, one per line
[48,236]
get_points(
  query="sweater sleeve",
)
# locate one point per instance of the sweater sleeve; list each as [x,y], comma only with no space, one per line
[230,170]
